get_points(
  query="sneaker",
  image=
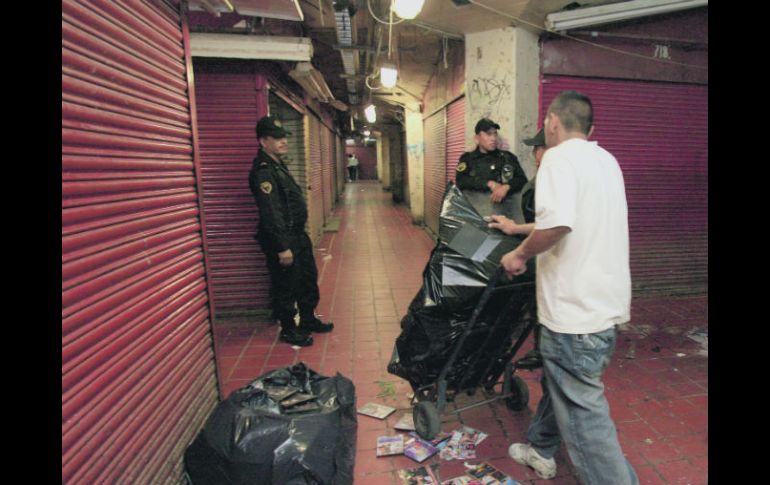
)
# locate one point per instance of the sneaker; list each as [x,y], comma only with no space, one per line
[524,454]
[316,326]
[294,337]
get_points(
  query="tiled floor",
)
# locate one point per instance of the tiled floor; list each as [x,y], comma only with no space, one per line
[657,384]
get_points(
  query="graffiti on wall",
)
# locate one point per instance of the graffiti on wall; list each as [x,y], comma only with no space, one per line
[486,95]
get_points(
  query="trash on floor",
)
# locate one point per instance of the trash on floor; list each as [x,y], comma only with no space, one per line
[390,445]
[290,425]
[462,445]
[405,422]
[424,475]
[379,411]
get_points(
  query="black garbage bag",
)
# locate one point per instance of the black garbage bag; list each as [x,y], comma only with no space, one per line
[250,438]
[460,267]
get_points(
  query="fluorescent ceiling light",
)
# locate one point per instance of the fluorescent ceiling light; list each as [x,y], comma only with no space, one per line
[407,9]
[616,12]
[230,46]
[371,113]
[388,75]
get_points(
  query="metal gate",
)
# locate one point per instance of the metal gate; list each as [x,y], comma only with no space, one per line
[435,167]
[315,185]
[227,115]
[138,372]
[659,134]
[455,134]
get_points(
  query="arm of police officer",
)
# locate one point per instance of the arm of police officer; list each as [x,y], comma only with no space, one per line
[271,213]
[499,191]
[464,180]
[540,240]
[519,179]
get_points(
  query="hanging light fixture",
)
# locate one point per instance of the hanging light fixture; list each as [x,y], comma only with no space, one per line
[388,74]
[371,113]
[407,9]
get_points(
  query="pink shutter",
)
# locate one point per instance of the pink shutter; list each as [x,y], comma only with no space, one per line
[659,134]
[138,372]
[227,116]
[455,143]
[435,167]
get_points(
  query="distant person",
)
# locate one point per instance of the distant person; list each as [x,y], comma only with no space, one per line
[532,360]
[281,233]
[487,176]
[352,167]
[583,291]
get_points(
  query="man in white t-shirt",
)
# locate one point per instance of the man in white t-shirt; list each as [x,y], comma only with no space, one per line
[583,291]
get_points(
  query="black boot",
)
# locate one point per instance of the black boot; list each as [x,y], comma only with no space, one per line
[532,360]
[290,334]
[315,325]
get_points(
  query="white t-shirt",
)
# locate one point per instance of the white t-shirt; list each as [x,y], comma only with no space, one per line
[352,161]
[584,281]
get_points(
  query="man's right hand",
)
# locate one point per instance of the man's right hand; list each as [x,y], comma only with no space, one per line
[286,258]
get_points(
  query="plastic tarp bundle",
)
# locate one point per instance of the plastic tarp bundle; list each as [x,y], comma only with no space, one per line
[460,267]
[249,439]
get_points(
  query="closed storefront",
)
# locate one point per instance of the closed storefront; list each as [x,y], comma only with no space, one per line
[659,134]
[651,112]
[138,372]
[455,136]
[435,167]
[228,112]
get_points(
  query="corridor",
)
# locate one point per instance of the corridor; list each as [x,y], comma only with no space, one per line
[370,269]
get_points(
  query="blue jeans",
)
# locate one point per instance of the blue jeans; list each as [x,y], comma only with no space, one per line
[573,407]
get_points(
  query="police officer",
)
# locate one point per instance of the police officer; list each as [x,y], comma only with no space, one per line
[489,177]
[281,233]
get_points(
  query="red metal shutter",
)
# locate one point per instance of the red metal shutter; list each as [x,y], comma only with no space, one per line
[315,192]
[227,115]
[138,372]
[435,167]
[326,170]
[659,134]
[455,143]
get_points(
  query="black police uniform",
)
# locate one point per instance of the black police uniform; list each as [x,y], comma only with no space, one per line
[476,169]
[283,214]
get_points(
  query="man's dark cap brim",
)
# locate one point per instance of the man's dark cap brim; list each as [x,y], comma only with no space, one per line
[536,141]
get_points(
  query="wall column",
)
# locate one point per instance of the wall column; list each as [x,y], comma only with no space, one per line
[415,153]
[502,68]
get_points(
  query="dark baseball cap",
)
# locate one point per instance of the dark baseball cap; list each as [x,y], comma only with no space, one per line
[485,124]
[271,126]
[536,141]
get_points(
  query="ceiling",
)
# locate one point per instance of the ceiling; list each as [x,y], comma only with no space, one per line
[415,45]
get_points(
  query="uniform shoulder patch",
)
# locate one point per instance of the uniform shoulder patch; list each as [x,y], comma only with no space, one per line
[461,167]
[266,187]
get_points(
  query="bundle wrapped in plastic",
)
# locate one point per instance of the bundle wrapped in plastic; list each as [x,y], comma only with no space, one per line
[460,267]
[258,436]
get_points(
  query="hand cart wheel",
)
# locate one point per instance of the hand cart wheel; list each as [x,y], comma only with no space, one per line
[519,394]
[427,420]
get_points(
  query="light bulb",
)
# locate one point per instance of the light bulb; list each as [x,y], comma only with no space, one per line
[407,9]
[371,113]
[388,75]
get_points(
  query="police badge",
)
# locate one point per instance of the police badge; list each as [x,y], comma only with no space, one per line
[266,187]
[461,167]
[507,174]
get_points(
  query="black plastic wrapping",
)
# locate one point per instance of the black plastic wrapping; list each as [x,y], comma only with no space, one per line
[249,440]
[461,264]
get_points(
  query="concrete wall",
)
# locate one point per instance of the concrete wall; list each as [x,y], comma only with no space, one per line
[415,149]
[501,82]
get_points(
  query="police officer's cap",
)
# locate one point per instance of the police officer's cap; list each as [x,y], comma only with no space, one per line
[270,126]
[485,124]
[536,141]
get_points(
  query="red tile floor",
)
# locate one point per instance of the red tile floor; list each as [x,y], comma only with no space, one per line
[657,384]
